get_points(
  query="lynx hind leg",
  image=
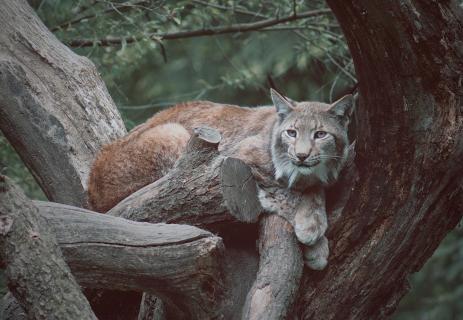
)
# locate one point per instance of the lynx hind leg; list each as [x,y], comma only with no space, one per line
[134,161]
[310,221]
[316,256]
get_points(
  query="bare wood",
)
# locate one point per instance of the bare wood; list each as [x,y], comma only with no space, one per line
[179,263]
[36,273]
[54,108]
[219,190]
[280,270]
[239,190]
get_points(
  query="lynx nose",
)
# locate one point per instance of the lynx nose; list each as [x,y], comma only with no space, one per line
[302,156]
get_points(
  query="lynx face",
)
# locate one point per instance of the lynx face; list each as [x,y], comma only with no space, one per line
[309,142]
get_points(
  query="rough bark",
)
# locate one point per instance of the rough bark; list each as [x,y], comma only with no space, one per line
[280,270]
[409,145]
[408,60]
[46,288]
[10,308]
[151,308]
[179,263]
[219,190]
[54,108]
[218,193]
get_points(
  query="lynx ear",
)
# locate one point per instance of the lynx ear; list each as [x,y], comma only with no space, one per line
[343,108]
[283,106]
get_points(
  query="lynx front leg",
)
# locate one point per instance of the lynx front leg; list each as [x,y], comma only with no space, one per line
[310,221]
[316,256]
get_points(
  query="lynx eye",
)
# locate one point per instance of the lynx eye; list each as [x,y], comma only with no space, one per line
[320,134]
[291,133]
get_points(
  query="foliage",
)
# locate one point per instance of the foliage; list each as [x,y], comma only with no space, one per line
[307,59]
[228,68]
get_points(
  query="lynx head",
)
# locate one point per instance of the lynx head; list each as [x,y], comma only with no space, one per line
[309,140]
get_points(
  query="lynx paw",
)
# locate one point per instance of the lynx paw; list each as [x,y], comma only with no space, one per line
[316,256]
[310,229]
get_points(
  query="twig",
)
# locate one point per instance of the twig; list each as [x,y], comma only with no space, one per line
[83,7]
[343,69]
[333,85]
[121,7]
[239,11]
[240,27]
[296,29]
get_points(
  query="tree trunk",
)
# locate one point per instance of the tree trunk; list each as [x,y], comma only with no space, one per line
[54,108]
[45,288]
[409,148]
[408,61]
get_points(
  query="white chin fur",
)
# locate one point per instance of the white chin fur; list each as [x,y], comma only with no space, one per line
[318,174]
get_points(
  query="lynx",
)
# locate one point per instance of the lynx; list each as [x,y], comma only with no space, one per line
[295,150]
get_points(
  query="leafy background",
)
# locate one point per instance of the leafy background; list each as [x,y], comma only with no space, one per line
[306,59]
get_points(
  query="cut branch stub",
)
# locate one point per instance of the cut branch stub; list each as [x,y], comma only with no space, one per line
[239,190]
[207,134]
[204,188]
[36,273]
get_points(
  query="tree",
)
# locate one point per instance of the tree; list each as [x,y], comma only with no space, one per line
[407,195]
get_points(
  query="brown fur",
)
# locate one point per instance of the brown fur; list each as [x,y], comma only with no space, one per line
[151,149]
[130,163]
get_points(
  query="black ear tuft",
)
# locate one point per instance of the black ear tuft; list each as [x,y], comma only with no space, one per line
[282,105]
[343,108]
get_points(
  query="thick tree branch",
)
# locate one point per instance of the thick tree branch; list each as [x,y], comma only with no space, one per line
[179,263]
[36,273]
[280,270]
[218,192]
[212,31]
[409,149]
[54,108]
